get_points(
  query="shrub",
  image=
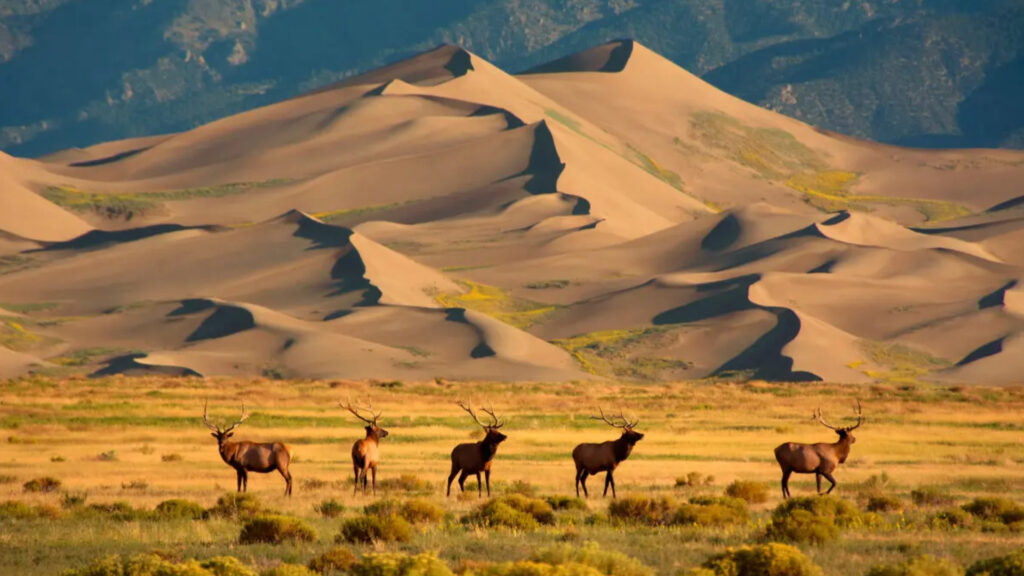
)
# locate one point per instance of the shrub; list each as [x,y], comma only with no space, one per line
[919,566]
[140,565]
[135,485]
[694,480]
[642,510]
[526,568]
[752,492]
[288,570]
[121,511]
[15,510]
[236,505]
[174,458]
[177,508]
[405,483]
[513,511]
[522,487]
[311,484]
[329,508]
[952,518]
[416,511]
[400,565]
[996,510]
[591,554]
[1010,565]
[275,530]
[884,503]
[369,529]
[334,561]
[42,484]
[8,479]
[566,503]
[711,512]
[108,456]
[771,559]
[70,500]
[931,496]
[226,566]
[813,519]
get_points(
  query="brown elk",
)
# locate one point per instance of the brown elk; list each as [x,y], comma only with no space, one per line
[247,457]
[606,456]
[820,459]
[476,457]
[366,452]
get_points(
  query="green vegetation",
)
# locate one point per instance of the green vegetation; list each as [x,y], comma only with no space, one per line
[623,353]
[548,285]
[13,263]
[345,214]
[919,566]
[766,560]
[514,511]
[812,519]
[667,176]
[495,302]
[275,530]
[86,356]
[42,484]
[330,508]
[1010,565]
[902,363]
[750,492]
[414,511]
[125,206]
[370,528]
[180,508]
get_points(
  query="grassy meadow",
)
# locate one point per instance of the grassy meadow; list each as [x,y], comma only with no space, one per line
[922,454]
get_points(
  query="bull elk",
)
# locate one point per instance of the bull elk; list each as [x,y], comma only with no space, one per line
[820,459]
[476,457]
[247,457]
[606,456]
[366,452]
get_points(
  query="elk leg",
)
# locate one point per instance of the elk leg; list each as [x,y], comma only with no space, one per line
[828,475]
[480,487]
[583,483]
[288,481]
[462,481]
[785,483]
[373,472]
[355,489]
[611,480]
[238,477]
[817,480]
[578,474]
[364,481]
[450,478]
[487,476]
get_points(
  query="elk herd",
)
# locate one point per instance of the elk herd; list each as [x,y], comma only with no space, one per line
[472,458]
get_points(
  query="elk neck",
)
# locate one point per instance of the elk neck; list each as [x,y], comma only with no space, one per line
[227,450]
[622,449]
[842,448]
[488,449]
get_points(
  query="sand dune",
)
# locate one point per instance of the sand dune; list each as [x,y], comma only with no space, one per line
[604,215]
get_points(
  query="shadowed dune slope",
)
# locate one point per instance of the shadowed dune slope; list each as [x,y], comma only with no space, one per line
[607,215]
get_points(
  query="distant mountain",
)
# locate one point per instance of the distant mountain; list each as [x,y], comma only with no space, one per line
[929,72]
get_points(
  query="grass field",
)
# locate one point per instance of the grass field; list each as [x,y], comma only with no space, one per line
[141,441]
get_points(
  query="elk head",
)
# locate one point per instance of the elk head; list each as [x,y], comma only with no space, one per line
[629,436]
[223,434]
[372,429]
[492,437]
[844,433]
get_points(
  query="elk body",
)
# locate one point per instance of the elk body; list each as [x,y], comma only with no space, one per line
[247,457]
[366,452]
[476,457]
[820,459]
[606,456]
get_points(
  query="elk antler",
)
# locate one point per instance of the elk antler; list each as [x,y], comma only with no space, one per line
[469,408]
[245,416]
[207,421]
[369,408]
[495,422]
[860,418]
[821,419]
[625,424]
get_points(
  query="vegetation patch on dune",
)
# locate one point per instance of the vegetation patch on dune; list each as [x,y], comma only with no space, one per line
[336,216]
[125,206]
[15,336]
[901,362]
[498,303]
[621,352]
[14,262]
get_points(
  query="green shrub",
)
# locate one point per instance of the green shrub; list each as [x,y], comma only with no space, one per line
[416,511]
[931,496]
[288,570]
[642,510]
[42,484]
[405,483]
[140,565]
[694,480]
[566,503]
[367,528]
[72,500]
[815,519]
[400,565]
[919,566]
[178,508]
[952,518]
[771,559]
[513,511]
[121,511]
[884,503]
[527,568]
[521,487]
[1001,510]
[711,512]
[15,510]
[1010,565]
[333,561]
[752,492]
[275,530]
[226,566]
[591,554]
[236,505]
[329,508]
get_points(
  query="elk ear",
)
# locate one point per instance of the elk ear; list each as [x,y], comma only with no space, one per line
[214,434]
[229,434]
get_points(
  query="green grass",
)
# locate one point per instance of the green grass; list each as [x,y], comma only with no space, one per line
[15,336]
[620,353]
[336,216]
[87,356]
[901,363]
[667,176]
